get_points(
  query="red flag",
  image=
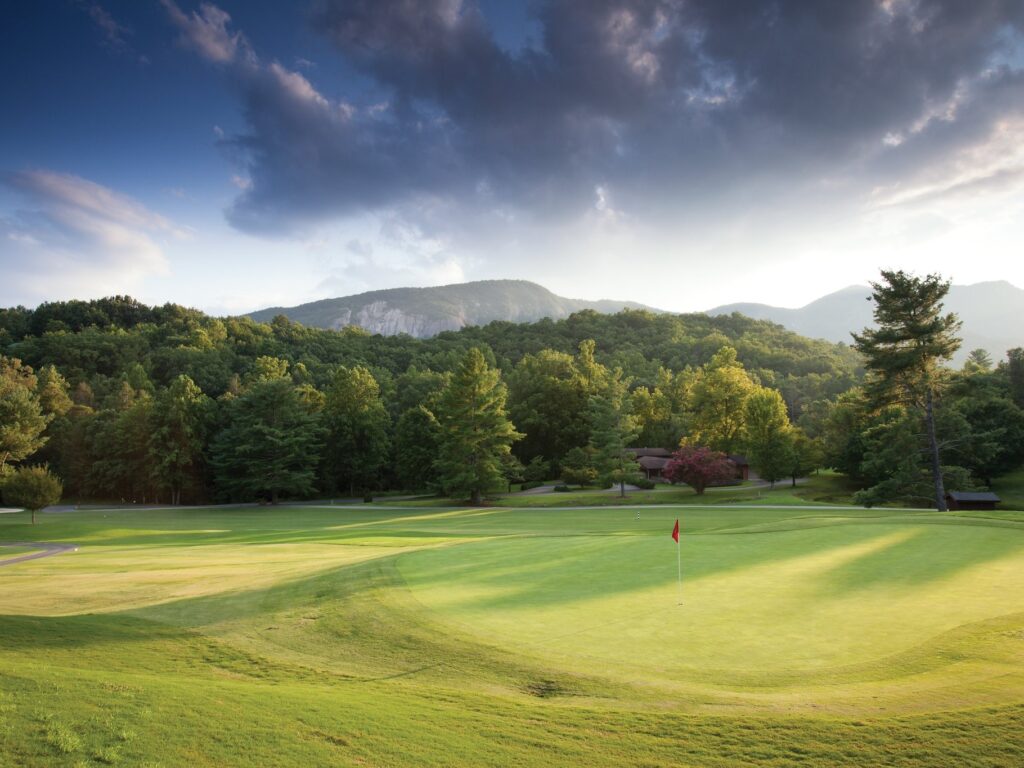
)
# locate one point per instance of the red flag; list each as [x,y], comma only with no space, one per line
[675,532]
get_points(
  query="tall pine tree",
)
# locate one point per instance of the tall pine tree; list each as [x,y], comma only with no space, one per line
[613,429]
[903,354]
[476,433]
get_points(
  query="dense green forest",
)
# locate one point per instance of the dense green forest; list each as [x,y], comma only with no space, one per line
[127,401]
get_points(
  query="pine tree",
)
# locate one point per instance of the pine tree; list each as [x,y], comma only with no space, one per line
[904,353]
[613,430]
[475,431]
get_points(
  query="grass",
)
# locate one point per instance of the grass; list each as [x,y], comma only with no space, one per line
[8,551]
[531,636]
[824,487]
[1010,489]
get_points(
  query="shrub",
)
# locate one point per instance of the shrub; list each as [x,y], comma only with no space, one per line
[644,483]
[579,475]
[32,488]
[537,470]
[532,484]
[562,488]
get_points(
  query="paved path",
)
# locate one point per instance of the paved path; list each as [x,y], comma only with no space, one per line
[46,550]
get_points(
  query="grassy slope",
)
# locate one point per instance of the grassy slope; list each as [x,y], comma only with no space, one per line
[489,637]
[823,488]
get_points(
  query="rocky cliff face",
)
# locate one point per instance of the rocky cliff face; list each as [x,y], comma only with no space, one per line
[423,312]
[380,317]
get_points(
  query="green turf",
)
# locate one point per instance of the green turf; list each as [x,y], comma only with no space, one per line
[369,636]
[824,487]
[8,551]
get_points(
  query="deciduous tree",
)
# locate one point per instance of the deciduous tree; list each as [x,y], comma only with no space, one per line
[548,400]
[358,425]
[22,421]
[698,466]
[270,446]
[177,437]
[32,488]
[717,402]
[768,435]
[417,440]
[1015,373]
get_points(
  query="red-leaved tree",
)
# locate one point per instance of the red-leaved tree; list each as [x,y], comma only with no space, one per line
[698,467]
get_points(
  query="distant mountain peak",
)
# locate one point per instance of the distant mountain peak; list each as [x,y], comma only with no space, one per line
[990,311]
[424,312]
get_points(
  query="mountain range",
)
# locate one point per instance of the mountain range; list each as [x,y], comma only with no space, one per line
[992,312]
[423,312]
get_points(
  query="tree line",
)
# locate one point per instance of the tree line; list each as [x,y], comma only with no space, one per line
[125,401]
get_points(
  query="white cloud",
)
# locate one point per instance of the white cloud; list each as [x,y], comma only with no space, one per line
[76,238]
[297,86]
[206,30]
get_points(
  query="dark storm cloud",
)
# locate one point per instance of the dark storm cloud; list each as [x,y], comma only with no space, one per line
[656,100]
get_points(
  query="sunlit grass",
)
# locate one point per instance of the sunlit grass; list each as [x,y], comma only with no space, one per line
[362,635]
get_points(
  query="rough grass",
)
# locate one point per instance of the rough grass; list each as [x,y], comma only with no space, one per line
[1010,489]
[370,636]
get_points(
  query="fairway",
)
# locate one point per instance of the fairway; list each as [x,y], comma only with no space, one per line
[415,636]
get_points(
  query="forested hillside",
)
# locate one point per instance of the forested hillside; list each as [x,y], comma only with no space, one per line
[142,402]
[98,342]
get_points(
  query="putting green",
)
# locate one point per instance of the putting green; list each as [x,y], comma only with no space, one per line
[849,601]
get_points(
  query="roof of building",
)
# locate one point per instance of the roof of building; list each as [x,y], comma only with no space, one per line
[738,459]
[652,462]
[972,496]
[639,452]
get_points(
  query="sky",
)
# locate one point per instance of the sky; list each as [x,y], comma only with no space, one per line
[680,153]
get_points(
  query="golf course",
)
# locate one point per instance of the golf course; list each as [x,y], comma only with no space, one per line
[405,635]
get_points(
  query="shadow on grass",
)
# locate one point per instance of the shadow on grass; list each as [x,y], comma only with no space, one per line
[931,553]
[541,571]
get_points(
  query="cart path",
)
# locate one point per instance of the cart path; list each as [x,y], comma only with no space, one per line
[46,550]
